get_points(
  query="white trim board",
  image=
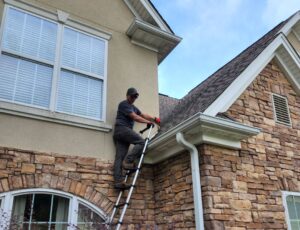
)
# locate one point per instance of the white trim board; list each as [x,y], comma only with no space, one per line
[239,85]
[152,12]
[284,195]
[292,21]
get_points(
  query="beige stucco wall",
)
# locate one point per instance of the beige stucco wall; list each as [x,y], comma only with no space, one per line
[128,65]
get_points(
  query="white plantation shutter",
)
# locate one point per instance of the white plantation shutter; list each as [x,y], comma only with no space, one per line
[29,56]
[29,35]
[25,82]
[79,94]
[83,52]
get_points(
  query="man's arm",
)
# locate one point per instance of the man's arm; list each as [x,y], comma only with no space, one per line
[139,118]
[144,118]
[151,118]
[147,117]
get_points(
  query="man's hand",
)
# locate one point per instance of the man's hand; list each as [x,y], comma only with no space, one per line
[149,124]
[157,120]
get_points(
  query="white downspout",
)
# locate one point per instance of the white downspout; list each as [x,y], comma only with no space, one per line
[196,179]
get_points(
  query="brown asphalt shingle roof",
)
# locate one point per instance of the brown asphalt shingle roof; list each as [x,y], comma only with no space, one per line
[166,105]
[203,95]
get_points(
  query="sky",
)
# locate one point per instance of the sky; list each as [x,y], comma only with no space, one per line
[213,32]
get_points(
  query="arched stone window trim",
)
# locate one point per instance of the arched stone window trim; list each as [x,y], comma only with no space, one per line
[7,198]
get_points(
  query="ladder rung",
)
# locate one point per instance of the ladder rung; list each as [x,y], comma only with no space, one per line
[119,205]
[129,172]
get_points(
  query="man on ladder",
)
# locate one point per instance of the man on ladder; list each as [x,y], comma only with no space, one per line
[124,135]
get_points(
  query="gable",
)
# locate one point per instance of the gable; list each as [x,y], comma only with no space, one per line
[281,48]
[286,56]
[255,105]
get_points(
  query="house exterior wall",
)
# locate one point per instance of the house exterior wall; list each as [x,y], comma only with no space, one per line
[174,203]
[242,189]
[128,65]
[88,178]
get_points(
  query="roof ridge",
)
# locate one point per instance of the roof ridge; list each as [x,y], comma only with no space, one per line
[242,52]
[204,94]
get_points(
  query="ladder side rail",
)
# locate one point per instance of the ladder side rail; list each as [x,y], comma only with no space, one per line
[134,181]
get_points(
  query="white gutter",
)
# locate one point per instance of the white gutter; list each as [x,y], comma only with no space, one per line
[200,118]
[196,179]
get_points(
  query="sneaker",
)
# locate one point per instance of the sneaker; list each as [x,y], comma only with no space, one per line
[122,185]
[128,166]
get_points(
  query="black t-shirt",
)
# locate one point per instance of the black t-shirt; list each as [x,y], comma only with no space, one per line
[124,109]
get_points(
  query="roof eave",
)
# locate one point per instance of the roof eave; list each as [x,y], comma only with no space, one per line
[199,129]
[146,7]
[152,38]
[239,85]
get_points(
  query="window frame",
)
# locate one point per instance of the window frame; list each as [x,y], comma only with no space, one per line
[50,113]
[285,194]
[74,201]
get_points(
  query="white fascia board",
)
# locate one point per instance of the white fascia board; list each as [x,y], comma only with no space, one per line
[288,73]
[294,56]
[147,6]
[200,119]
[155,16]
[132,9]
[290,50]
[138,24]
[296,35]
[239,85]
[287,28]
[208,131]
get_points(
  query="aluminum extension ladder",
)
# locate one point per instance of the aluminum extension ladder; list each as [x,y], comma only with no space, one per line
[129,172]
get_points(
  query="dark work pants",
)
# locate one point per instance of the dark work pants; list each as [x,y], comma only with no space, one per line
[123,137]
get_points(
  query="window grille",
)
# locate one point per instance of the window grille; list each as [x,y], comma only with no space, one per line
[48,65]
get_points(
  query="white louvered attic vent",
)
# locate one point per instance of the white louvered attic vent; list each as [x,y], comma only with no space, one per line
[281,110]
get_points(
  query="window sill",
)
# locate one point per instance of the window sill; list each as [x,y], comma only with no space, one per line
[46,115]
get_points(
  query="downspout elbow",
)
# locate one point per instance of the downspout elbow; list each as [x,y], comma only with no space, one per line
[196,179]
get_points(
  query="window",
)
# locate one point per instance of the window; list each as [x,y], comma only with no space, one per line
[281,110]
[292,209]
[42,209]
[87,219]
[48,65]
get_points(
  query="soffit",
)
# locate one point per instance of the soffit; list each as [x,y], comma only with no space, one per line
[149,30]
[153,38]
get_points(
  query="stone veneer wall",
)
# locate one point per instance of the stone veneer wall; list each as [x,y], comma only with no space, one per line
[88,178]
[174,205]
[242,189]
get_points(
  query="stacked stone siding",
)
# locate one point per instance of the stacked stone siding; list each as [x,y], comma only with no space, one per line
[242,189]
[88,178]
[174,205]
